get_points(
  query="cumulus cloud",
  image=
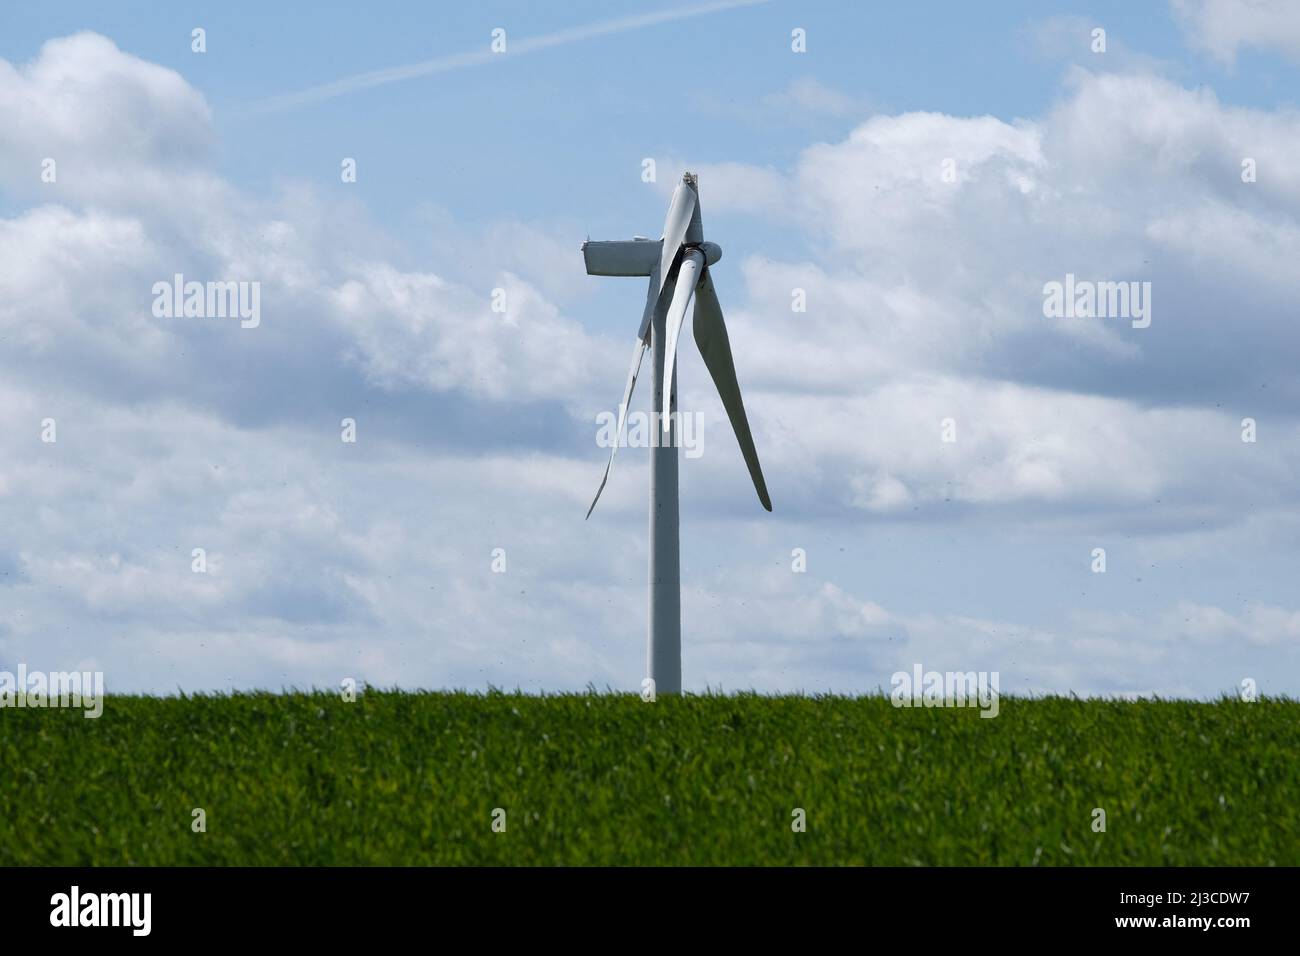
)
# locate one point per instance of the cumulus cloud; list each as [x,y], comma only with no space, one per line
[113,124]
[1224,27]
[175,434]
[417,329]
[926,299]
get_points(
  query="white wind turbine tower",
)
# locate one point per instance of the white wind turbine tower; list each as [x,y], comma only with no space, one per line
[680,261]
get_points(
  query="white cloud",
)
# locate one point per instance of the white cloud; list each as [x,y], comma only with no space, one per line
[113,123]
[1130,178]
[1224,27]
[414,329]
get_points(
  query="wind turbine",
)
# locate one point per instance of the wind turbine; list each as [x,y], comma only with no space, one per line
[680,262]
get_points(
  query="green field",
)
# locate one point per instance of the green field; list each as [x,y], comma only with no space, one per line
[398,778]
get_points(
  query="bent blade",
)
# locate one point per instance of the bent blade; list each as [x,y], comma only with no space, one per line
[715,348]
[653,292]
[688,276]
[680,213]
[638,353]
[695,228]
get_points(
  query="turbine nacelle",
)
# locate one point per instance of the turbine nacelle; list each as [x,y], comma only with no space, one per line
[635,257]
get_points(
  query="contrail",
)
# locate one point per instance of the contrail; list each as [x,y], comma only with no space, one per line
[395,74]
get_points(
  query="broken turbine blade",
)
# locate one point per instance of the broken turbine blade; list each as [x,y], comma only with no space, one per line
[653,292]
[680,213]
[715,348]
[638,353]
[688,275]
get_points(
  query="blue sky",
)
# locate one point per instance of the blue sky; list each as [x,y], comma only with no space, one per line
[818,171]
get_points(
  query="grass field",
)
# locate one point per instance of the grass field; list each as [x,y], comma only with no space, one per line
[397,778]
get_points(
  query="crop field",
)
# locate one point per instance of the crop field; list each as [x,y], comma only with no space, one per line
[504,779]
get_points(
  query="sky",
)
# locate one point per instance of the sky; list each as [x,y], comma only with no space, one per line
[916,174]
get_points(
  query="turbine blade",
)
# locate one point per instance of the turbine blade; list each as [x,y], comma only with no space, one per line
[653,292]
[680,213]
[688,276]
[695,228]
[715,347]
[638,353]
